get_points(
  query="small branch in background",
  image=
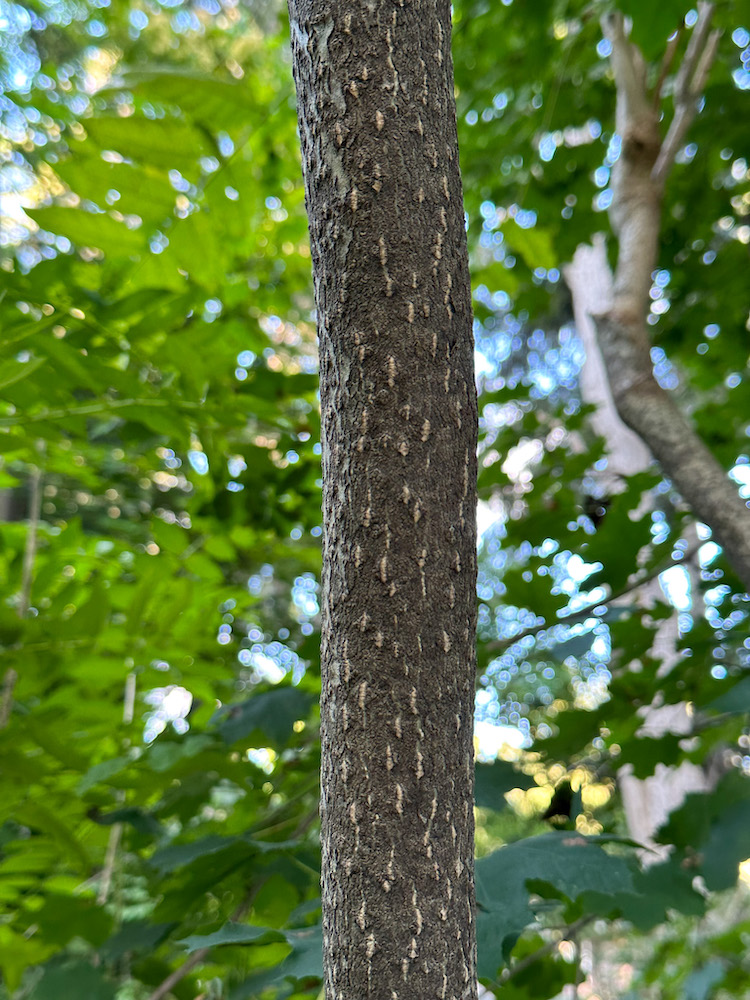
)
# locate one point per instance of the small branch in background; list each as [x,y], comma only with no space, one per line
[635,213]
[128,704]
[684,84]
[29,554]
[666,65]
[629,70]
[198,956]
[110,858]
[173,978]
[498,645]
[6,704]
[691,79]
[27,576]
[568,934]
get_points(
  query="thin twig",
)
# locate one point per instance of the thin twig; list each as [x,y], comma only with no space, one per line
[691,79]
[9,683]
[698,39]
[198,956]
[498,645]
[568,932]
[115,834]
[29,554]
[27,576]
[105,879]
[174,977]
[666,65]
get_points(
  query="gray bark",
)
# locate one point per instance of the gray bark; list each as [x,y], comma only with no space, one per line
[398,408]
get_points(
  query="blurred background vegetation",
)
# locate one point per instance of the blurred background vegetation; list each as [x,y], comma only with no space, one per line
[160,495]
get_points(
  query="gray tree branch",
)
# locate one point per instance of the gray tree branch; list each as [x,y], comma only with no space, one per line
[635,214]
[691,79]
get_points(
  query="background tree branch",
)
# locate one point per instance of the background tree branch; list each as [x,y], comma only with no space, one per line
[635,214]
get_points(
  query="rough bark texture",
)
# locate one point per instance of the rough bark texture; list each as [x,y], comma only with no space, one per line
[377,123]
[637,185]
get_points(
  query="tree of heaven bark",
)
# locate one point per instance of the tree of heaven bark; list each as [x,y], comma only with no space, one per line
[383,191]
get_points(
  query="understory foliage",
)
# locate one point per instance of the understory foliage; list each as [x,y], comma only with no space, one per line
[160,501]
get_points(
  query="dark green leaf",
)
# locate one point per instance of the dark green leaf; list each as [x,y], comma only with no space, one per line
[570,863]
[232,934]
[72,980]
[492,781]
[270,714]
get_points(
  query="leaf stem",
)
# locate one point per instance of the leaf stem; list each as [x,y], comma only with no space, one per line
[567,933]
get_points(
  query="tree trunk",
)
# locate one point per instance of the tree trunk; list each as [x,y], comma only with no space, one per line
[398,407]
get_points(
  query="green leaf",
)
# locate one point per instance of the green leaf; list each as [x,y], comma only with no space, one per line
[736,700]
[43,819]
[492,781]
[86,229]
[271,714]
[653,23]
[168,859]
[257,983]
[534,245]
[215,104]
[73,980]
[657,891]
[142,190]
[727,846]
[135,936]
[138,818]
[163,755]
[543,977]
[306,958]
[164,143]
[17,953]
[101,773]
[63,917]
[232,933]
[14,371]
[570,863]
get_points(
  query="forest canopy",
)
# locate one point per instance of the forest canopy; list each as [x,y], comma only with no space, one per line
[160,504]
